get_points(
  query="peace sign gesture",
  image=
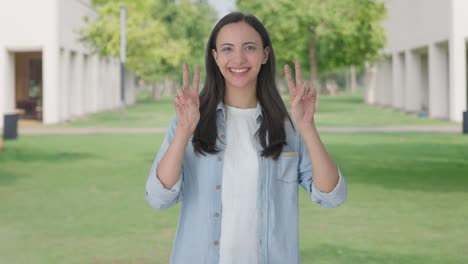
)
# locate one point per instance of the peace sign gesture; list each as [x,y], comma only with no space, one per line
[187,103]
[302,97]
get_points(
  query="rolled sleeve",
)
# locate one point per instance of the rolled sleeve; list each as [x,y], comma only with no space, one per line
[156,194]
[334,198]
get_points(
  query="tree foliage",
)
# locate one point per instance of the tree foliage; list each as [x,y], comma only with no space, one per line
[160,34]
[324,35]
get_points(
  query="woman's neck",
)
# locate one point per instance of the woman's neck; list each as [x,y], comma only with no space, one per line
[240,98]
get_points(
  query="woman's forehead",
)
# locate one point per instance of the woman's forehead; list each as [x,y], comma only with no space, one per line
[238,33]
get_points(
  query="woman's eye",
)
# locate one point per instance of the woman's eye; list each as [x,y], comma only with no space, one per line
[226,49]
[250,47]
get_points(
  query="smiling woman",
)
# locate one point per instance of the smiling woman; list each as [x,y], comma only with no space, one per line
[238,178]
[239,54]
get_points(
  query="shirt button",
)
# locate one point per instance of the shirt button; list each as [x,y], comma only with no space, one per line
[222,136]
[216,243]
[216,215]
[218,187]
[219,158]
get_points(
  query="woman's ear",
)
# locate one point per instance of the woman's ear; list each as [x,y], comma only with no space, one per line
[215,55]
[266,54]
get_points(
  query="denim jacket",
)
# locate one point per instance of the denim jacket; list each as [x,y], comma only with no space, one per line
[200,185]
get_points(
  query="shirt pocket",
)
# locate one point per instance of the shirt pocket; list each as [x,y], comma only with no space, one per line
[288,164]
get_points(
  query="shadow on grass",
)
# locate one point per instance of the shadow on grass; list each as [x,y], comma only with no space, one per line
[410,166]
[14,157]
[8,176]
[40,155]
[327,253]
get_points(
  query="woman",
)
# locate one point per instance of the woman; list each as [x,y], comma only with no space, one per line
[234,158]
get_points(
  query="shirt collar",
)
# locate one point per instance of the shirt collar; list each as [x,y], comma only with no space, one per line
[221,109]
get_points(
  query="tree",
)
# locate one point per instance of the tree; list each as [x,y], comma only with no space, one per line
[159,37]
[189,21]
[323,34]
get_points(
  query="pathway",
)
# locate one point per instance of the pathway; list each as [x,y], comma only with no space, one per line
[147,130]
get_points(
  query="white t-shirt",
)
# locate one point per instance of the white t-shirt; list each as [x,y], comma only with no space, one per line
[238,243]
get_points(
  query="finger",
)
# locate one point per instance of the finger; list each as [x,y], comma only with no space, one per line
[180,95]
[298,73]
[196,79]
[291,87]
[306,89]
[185,76]
[313,92]
[300,93]
[177,102]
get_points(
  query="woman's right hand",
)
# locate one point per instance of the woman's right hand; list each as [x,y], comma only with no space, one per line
[187,102]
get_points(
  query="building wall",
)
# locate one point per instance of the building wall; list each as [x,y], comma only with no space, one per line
[75,81]
[20,36]
[17,33]
[427,42]
[413,24]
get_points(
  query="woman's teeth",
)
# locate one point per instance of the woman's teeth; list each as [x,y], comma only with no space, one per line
[239,70]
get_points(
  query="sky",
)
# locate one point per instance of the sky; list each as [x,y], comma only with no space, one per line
[223,6]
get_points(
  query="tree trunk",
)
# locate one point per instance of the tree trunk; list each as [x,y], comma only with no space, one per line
[353,80]
[348,81]
[313,67]
[170,87]
[156,92]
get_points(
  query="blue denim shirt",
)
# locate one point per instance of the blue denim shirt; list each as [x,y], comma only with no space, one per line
[199,189]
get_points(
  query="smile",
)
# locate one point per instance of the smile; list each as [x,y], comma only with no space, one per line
[239,70]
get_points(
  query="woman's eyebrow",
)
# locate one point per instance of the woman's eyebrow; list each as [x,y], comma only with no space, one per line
[249,43]
[226,44]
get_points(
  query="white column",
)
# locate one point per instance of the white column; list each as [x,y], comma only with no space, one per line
[438,82]
[86,85]
[370,83]
[387,82]
[3,82]
[102,86]
[50,73]
[78,85]
[51,84]
[107,83]
[398,81]
[380,80]
[72,87]
[116,84]
[64,108]
[94,82]
[457,61]
[7,82]
[413,86]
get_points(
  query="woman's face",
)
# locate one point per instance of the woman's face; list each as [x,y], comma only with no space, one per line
[239,55]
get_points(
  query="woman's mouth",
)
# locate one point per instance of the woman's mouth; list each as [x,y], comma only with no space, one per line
[239,70]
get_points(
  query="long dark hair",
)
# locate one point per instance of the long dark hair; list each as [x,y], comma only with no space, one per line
[272,133]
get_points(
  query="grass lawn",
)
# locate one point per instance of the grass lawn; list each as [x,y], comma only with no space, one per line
[343,110]
[80,199]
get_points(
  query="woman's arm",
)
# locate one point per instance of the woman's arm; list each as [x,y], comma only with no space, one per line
[186,105]
[324,171]
[303,100]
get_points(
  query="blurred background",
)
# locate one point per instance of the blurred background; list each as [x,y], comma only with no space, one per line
[82,122]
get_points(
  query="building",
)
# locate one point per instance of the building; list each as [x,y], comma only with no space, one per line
[46,74]
[424,65]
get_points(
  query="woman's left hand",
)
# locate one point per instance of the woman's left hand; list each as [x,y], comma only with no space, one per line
[302,98]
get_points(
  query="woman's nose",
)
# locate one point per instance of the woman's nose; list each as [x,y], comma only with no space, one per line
[240,57]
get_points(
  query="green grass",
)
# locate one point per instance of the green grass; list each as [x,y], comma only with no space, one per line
[343,110]
[349,110]
[80,199]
